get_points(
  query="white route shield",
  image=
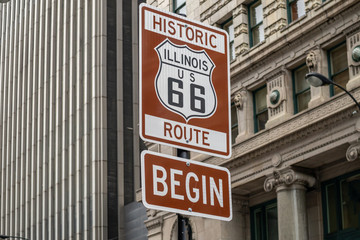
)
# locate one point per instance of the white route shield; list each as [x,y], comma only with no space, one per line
[183,83]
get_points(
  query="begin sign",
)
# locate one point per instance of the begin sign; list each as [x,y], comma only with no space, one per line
[185,186]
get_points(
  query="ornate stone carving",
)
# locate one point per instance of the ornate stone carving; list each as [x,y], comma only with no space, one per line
[154,224]
[354,45]
[239,99]
[311,61]
[241,29]
[353,152]
[276,160]
[274,6]
[151,213]
[287,177]
[275,27]
[241,9]
[311,4]
[241,48]
[276,99]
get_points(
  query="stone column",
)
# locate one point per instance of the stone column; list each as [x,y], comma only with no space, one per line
[290,187]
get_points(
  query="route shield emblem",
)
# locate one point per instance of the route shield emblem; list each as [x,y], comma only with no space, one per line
[183,83]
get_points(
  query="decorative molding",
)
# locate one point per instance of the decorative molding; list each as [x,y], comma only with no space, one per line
[213,9]
[311,4]
[287,177]
[241,9]
[273,7]
[241,29]
[276,84]
[241,48]
[353,152]
[154,223]
[151,213]
[275,27]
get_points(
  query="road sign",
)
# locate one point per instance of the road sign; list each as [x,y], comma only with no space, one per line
[184,186]
[184,83]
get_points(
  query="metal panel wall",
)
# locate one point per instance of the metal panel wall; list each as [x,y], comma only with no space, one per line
[53,119]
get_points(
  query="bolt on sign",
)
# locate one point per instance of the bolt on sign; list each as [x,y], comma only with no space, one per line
[184,83]
[184,186]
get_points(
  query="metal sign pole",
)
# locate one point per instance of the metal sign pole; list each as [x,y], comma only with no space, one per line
[181,220]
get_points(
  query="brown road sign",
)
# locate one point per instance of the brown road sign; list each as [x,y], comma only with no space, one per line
[184,83]
[184,186]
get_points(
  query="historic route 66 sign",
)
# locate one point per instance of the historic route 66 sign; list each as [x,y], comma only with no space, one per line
[184,83]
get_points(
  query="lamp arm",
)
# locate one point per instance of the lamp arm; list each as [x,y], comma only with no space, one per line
[347,92]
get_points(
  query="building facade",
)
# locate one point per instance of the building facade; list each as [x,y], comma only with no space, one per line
[69,145]
[295,166]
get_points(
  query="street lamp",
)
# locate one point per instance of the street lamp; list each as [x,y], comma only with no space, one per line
[10,237]
[317,80]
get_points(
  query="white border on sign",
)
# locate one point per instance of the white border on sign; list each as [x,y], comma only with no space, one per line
[190,148]
[197,214]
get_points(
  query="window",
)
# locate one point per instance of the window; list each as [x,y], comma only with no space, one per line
[296,9]
[179,6]
[341,202]
[234,123]
[256,26]
[264,221]
[260,108]
[228,26]
[338,67]
[301,89]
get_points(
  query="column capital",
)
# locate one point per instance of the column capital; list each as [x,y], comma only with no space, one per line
[353,152]
[286,178]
